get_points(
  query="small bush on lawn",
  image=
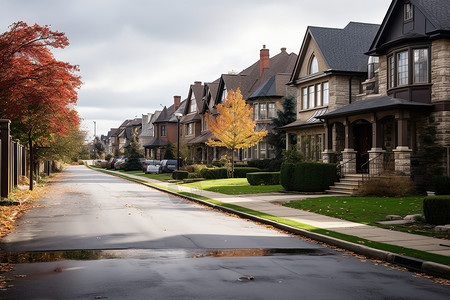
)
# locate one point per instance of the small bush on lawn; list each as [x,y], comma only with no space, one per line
[219,173]
[180,175]
[387,186]
[437,210]
[263,178]
[259,163]
[195,168]
[307,176]
[194,175]
[441,185]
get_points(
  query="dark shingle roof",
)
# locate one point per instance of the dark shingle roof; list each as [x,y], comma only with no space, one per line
[437,11]
[375,104]
[155,143]
[167,114]
[313,120]
[274,87]
[343,49]
[249,79]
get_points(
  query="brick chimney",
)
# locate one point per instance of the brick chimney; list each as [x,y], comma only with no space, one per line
[263,60]
[176,102]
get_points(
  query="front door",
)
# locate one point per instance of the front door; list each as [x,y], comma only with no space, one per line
[363,143]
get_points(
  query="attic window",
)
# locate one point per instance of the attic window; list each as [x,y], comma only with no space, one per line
[314,65]
[193,105]
[408,11]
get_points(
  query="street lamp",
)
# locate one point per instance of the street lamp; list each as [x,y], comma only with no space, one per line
[178,116]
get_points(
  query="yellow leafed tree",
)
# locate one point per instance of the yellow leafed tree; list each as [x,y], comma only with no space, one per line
[233,127]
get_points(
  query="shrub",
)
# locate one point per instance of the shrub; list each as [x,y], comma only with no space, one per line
[194,175]
[286,179]
[213,173]
[180,175]
[437,209]
[242,172]
[387,186]
[263,178]
[218,173]
[275,165]
[307,176]
[195,168]
[259,163]
[441,185]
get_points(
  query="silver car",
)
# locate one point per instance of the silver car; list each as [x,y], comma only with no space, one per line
[153,167]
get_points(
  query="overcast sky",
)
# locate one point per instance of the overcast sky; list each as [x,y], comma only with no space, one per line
[135,55]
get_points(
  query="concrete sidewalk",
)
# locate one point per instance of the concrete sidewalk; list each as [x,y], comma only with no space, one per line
[270,204]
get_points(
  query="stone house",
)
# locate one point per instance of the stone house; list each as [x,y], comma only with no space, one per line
[408,90]
[330,68]
[166,130]
[122,137]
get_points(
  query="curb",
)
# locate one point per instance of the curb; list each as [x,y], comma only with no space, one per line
[411,263]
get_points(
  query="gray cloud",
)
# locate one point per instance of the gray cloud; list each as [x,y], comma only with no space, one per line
[137,54]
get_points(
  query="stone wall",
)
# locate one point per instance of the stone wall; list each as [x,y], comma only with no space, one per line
[440,70]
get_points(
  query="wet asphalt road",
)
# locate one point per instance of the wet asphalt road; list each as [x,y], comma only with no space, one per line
[101,237]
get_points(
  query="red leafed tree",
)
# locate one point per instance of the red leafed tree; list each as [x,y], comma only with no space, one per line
[37,92]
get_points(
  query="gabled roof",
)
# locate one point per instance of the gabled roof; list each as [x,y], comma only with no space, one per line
[167,115]
[209,94]
[343,49]
[436,12]
[375,104]
[195,92]
[249,80]
[275,86]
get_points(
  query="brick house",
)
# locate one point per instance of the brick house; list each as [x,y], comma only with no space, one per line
[408,90]
[148,130]
[166,130]
[262,86]
[122,137]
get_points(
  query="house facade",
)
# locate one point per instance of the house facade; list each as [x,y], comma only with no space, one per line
[407,92]
[166,130]
[330,68]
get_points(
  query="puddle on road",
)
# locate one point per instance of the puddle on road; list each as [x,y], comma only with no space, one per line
[51,256]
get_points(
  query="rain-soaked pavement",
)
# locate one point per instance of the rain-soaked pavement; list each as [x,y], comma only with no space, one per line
[101,237]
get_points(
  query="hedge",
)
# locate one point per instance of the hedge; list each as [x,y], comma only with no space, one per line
[441,185]
[436,210]
[307,176]
[180,175]
[263,178]
[218,173]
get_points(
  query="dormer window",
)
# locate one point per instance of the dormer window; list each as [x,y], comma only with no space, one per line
[313,65]
[408,11]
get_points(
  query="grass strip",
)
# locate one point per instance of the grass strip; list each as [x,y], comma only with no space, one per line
[349,238]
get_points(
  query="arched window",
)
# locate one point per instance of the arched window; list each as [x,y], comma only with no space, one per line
[313,65]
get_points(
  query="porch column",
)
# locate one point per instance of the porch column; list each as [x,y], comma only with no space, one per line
[349,153]
[328,154]
[376,157]
[15,162]
[402,153]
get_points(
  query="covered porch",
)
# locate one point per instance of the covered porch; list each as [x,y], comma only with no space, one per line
[373,136]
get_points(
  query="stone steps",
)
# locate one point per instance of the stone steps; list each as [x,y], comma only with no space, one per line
[347,185]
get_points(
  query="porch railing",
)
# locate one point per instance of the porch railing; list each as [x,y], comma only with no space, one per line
[377,165]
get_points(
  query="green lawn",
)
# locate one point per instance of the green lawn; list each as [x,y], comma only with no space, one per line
[160,177]
[369,210]
[233,186]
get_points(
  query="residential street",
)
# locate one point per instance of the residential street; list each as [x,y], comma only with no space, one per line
[96,236]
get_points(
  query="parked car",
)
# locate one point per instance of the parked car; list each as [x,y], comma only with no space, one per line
[168,165]
[111,162]
[148,162]
[154,167]
[120,163]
